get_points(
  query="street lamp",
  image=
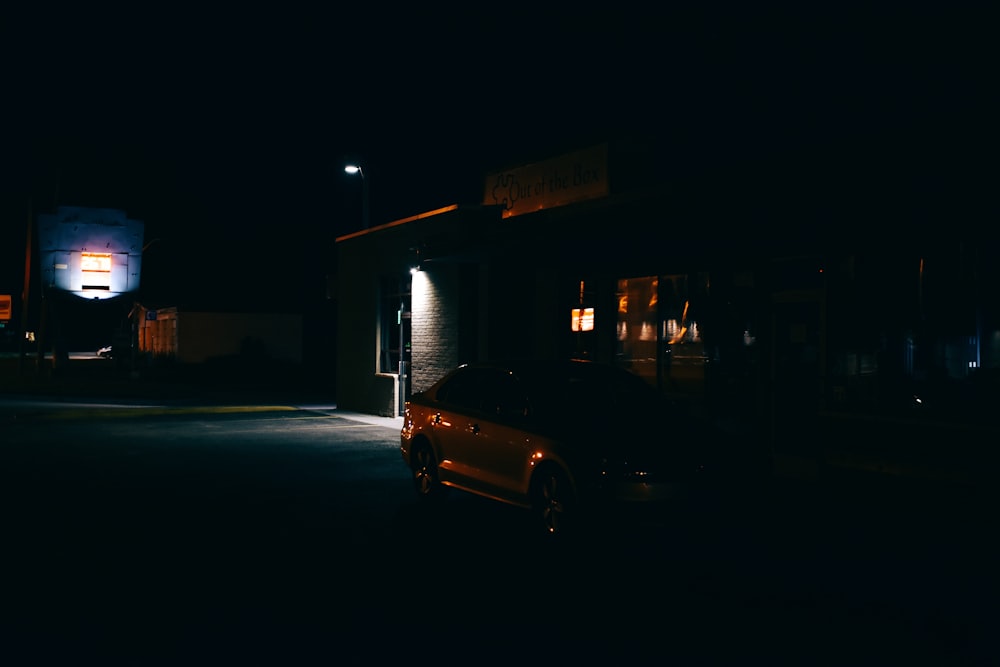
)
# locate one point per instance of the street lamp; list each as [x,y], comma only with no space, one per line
[356,169]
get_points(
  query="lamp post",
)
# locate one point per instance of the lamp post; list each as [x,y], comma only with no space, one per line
[356,169]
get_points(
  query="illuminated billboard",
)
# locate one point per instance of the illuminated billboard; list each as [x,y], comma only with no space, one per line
[94,253]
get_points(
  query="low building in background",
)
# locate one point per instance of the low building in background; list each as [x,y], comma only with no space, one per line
[192,337]
[743,302]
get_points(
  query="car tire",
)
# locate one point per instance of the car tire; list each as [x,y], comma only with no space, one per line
[424,469]
[554,501]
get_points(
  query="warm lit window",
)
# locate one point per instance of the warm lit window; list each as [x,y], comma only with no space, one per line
[583,319]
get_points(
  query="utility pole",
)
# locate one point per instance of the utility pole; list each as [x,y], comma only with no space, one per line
[25,291]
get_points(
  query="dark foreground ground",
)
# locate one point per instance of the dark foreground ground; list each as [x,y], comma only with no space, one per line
[856,567]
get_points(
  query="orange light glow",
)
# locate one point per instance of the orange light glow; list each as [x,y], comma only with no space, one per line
[683,330]
[583,319]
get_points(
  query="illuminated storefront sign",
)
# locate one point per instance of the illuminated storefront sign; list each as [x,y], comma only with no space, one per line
[571,178]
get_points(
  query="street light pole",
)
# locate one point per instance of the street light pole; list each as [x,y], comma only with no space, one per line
[356,169]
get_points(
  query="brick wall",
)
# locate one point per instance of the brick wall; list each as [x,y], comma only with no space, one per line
[434,327]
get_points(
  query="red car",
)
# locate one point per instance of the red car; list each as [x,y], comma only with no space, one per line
[562,439]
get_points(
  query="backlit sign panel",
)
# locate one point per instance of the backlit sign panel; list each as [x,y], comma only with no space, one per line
[93,253]
[96,270]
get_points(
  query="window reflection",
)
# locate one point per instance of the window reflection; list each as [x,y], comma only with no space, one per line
[394,323]
[658,333]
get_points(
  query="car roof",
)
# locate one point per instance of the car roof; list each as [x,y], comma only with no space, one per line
[528,366]
[542,370]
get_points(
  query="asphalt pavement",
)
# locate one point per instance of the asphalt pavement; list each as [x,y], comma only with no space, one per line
[892,555]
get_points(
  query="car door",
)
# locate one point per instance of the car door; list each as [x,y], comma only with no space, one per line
[455,411]
[498,444]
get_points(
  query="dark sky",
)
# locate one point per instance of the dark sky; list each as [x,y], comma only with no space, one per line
[226,132]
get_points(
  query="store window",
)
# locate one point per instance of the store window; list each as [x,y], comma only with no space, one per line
[659,335]
[582,321]
[636,331]
[394,323]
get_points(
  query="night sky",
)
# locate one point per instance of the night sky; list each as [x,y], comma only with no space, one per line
[227,132]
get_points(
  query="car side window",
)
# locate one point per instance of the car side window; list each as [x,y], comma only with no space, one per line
[463,390]
[485,390]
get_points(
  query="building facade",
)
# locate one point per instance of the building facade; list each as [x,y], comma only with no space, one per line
[587,256]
